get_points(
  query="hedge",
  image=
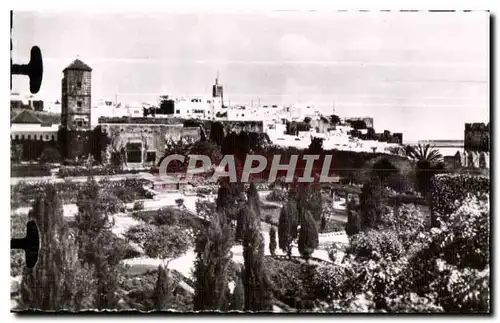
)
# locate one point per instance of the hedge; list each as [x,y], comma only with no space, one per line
[126,190]
[83,171]
[448,189]
[33,170]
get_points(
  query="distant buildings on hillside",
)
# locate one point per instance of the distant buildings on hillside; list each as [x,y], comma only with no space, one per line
[141,129]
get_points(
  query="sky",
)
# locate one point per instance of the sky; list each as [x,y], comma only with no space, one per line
[421,73]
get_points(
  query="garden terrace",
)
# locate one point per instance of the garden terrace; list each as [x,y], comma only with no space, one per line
[126,190]
[168,215]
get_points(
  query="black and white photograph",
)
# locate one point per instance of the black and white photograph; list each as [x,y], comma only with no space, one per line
[329,162]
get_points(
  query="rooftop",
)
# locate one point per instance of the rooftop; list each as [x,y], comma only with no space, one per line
[78,65]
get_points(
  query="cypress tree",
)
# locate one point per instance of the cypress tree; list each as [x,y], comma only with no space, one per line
[323,223]
[54,283]
[272,240]
[310,199]
[161,294]
[213,248]
[287,227]
[353,225]
[254,199]
[230,199]
[238,297]
[98,246]
[308,236]
[258,295]
[226,304]
[371,207]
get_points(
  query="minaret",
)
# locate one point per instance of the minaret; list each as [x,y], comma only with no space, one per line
[218,90]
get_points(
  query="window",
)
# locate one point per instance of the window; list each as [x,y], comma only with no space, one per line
[17,137]
[177,111]
[29,137]
[79,84]
[46,137]
[134,152]
[79,123]
[150,156]
[79,104]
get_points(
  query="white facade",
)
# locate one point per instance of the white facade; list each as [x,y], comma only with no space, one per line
[196,108]
[35,131]
[244,113]
[135,110]
[107,109]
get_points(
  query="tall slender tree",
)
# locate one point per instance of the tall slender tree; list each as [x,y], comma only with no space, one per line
[58,281]
[258,296]
[254,199]
[161,295]
[371,207]
[272,241]
[238,297]
[287,227]
[97,245]
[323,223]
[213,248]
[308,236]
[353,225]
[310,199]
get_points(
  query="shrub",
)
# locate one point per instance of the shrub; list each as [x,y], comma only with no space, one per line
[71,171]
[465,234]
[373,244]
[179,202]
[167,216]
[277,195]
[138,205]
[408,222]
[287,279]
[50,155]
[448,190]
[413,303]
[329,282]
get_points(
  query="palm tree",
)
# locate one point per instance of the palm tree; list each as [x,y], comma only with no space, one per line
[426,152]
[429,161]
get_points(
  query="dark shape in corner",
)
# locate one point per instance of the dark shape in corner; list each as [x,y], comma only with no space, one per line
[30,244]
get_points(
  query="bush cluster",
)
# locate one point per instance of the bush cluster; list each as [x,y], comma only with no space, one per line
[449,190]
[277,195]
[128,190]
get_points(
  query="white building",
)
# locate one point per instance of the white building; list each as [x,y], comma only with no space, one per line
[27,126]
[195,108]
[106,108]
